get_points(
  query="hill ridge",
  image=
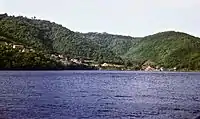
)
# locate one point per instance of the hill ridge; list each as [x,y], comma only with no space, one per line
[168,48]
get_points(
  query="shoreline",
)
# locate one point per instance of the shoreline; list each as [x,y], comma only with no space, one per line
[57,70]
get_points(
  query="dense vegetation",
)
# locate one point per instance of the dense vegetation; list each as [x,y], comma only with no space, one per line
[13,59]
[167,49]
[51,37]
[117,43]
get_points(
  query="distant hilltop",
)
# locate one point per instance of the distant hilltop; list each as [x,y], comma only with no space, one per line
[168,49]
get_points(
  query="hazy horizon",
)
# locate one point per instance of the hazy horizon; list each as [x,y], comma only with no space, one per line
[135,18]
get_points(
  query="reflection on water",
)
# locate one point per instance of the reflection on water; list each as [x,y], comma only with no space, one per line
[99,95]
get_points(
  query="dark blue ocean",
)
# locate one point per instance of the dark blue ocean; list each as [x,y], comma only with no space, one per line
[99,95]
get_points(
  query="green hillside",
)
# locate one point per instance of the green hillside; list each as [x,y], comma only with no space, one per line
[168,49]
[51,37]
[116,43]
[13,59]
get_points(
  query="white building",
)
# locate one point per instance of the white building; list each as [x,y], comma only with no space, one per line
[18,46]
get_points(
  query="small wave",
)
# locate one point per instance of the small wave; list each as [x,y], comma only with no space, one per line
[104,110]
[122,96]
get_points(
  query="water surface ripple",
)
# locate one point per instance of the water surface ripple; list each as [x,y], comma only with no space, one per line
[99,95]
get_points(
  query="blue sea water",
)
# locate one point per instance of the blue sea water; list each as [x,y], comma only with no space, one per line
[99,95]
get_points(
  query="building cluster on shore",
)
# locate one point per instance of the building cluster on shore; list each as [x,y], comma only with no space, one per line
[21,48]
[65,60]
[149,68]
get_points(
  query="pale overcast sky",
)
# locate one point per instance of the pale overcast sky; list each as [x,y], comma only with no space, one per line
[128,17]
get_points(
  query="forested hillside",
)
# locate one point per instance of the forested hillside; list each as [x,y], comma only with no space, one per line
[117,43]
[166,49]
[13,59]
[51,37]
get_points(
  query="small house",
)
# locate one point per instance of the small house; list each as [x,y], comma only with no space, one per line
[61,56]
[25,50]
[105,65]
[149,68]
[75,61]
[18,46]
